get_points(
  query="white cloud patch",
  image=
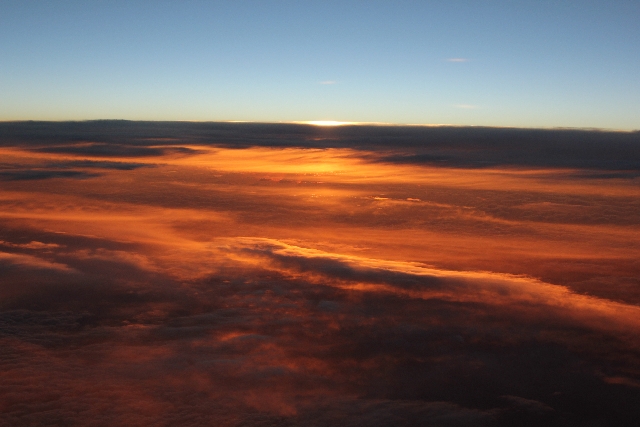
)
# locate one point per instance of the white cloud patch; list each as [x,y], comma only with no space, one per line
[328,82]
[457,59]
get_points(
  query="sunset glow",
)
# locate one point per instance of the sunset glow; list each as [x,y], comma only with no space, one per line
[278,281]
[328,123]
[319,214]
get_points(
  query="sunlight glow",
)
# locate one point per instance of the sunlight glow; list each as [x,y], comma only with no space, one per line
[328,123]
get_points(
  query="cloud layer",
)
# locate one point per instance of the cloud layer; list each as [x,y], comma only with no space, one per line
[361,276]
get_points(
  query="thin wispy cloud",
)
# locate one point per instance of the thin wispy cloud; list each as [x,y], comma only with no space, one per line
[458,60]
[328,82]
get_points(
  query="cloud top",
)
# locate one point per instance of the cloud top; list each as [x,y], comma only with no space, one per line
[292,275]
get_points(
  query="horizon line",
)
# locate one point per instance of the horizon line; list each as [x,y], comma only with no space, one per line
[331,123]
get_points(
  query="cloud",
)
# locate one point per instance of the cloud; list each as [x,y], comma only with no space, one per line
[371,288]
[594,155]
[62,169]
[528,405]
[31,245]
[463,146]
[31,262]
[458,60]
[126,166]
[466,106]
[293,342]
[113,150]
[328,82]
[38,174]
[381,412]
[418,281]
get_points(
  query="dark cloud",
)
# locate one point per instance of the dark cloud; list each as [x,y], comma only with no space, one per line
[37,174]
[528,405]
[466,147]
[66,169]
[631,174]
[125,166]
[380,412]
[113,150]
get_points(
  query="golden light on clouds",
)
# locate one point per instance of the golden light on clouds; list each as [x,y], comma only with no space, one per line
[284,281]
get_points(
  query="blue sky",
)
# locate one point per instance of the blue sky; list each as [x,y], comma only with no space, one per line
[497,63]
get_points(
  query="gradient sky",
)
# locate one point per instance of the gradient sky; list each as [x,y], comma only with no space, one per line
[497,63]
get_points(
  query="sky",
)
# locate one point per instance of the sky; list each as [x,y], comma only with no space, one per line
[489,63]
[243,274]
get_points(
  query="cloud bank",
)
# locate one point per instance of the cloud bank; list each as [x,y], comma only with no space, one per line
[289,275]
